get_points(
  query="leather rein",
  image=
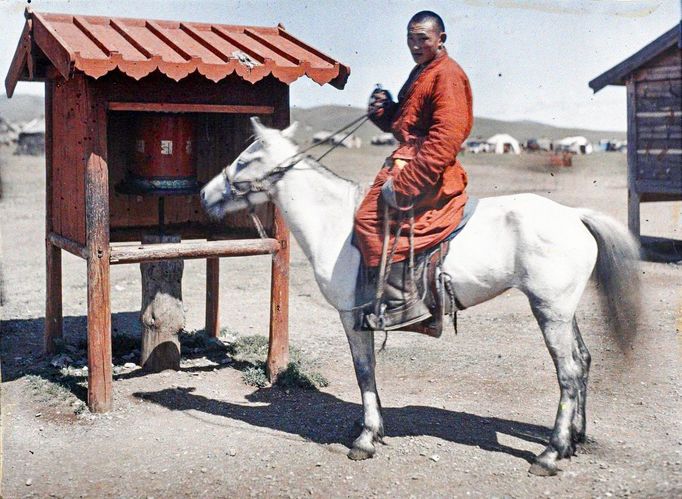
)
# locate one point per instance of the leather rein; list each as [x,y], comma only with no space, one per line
[241,190]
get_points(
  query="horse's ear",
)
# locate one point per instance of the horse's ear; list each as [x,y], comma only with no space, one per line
[290,131]
[258,127]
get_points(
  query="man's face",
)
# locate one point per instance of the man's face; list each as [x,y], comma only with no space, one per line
[424,40]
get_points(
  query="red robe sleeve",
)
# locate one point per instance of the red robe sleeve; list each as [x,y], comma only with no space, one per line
[451,119]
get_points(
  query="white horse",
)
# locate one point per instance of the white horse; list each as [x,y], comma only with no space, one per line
[523,241]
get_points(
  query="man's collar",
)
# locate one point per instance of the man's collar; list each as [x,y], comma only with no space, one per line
[439,55]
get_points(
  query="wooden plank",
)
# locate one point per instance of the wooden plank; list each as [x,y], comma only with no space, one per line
[20,61]
[129,253]
[169,107]
[658,148]
[663,103]
[658,73]
[670,132]
[53,255]
[633,196]
[213,297]
[98,294]
[659,114]
[53,46]
[651,186]
[73,247]
[661,168]
[659,196]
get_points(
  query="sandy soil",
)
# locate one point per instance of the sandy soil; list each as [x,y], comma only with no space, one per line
[464,414]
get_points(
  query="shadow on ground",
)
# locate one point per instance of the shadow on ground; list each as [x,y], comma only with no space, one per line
[22,350]
[325,419]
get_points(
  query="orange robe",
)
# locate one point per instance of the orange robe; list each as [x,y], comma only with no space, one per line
[431,120]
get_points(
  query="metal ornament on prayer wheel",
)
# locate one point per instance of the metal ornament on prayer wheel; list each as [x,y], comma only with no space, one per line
[164,160]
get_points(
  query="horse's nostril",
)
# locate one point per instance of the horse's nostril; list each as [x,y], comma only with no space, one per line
[203,195]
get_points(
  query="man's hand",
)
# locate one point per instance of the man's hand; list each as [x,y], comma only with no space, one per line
[389,196]
[378,101]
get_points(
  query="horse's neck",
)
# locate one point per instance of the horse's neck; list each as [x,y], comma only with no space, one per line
[318,207]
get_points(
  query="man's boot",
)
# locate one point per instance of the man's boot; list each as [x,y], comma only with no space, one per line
[402,303]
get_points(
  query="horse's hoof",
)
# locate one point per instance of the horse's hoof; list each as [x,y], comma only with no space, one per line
[542,469]
[356,454]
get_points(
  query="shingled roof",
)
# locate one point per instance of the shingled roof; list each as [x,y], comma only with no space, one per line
[97,45]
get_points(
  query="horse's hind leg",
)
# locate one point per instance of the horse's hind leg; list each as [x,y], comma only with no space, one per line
[582,356]
[563,345]
[362,349]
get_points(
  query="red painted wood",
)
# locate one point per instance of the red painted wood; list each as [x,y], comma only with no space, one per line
[98,293]
[278,351]
[53,255]
[165,107]
[213,297]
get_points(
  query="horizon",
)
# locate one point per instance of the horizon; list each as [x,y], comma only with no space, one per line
[530,121]
[513,76]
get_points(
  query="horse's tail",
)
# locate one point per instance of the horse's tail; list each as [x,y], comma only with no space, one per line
[617,274]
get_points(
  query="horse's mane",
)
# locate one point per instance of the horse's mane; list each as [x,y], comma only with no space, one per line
[313,163]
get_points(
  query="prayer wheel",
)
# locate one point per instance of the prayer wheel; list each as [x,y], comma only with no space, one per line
[164,160]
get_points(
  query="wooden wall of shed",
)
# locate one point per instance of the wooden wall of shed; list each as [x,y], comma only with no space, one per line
[658,124]
[75,134]
[220,138]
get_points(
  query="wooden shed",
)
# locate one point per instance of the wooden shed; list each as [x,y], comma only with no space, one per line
[653,78]
[102,75]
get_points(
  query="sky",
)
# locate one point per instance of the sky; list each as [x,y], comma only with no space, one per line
[526,59]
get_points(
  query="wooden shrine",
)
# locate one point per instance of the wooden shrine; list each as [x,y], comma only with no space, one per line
[102,77]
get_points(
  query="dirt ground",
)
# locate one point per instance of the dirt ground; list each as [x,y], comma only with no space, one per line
[464,414]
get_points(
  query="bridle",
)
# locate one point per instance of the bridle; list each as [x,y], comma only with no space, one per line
[242,189]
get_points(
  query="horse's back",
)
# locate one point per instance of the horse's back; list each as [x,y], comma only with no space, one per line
[524,241]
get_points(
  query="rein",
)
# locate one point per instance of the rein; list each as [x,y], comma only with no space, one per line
[263,184]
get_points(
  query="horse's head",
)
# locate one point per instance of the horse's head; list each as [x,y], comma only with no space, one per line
[249,179]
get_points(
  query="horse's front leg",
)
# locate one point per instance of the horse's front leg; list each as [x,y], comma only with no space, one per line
[362,349]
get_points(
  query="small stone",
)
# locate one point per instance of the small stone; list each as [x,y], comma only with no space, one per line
[232,452]
[435,458]
[204,470]
[38,414]
[29,482]
[130,365]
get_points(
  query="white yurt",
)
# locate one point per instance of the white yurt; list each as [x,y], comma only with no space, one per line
[577,145]
[502,143]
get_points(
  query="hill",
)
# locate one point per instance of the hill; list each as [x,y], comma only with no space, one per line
[332,118]
[25,107]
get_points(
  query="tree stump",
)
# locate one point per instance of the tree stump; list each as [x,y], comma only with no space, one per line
[162,315]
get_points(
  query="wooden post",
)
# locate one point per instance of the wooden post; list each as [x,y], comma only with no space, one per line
[53,255]
[162,314]
[99,301]
[633,195]
[278,351]
[213,297]
[633,212]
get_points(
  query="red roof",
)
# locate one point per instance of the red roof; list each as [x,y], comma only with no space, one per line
[98,45]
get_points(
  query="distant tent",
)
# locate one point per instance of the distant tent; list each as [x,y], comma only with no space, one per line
[503,143]
[32,138]
[383,139]
[8,132]
[350,142]
[577,145]
[321,136]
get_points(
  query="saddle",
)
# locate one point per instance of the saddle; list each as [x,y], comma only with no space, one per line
[416,302]
[414,297]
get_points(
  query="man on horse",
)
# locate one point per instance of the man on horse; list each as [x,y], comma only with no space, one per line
[431,120]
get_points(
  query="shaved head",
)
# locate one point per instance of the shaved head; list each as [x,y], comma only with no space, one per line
[425,16]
